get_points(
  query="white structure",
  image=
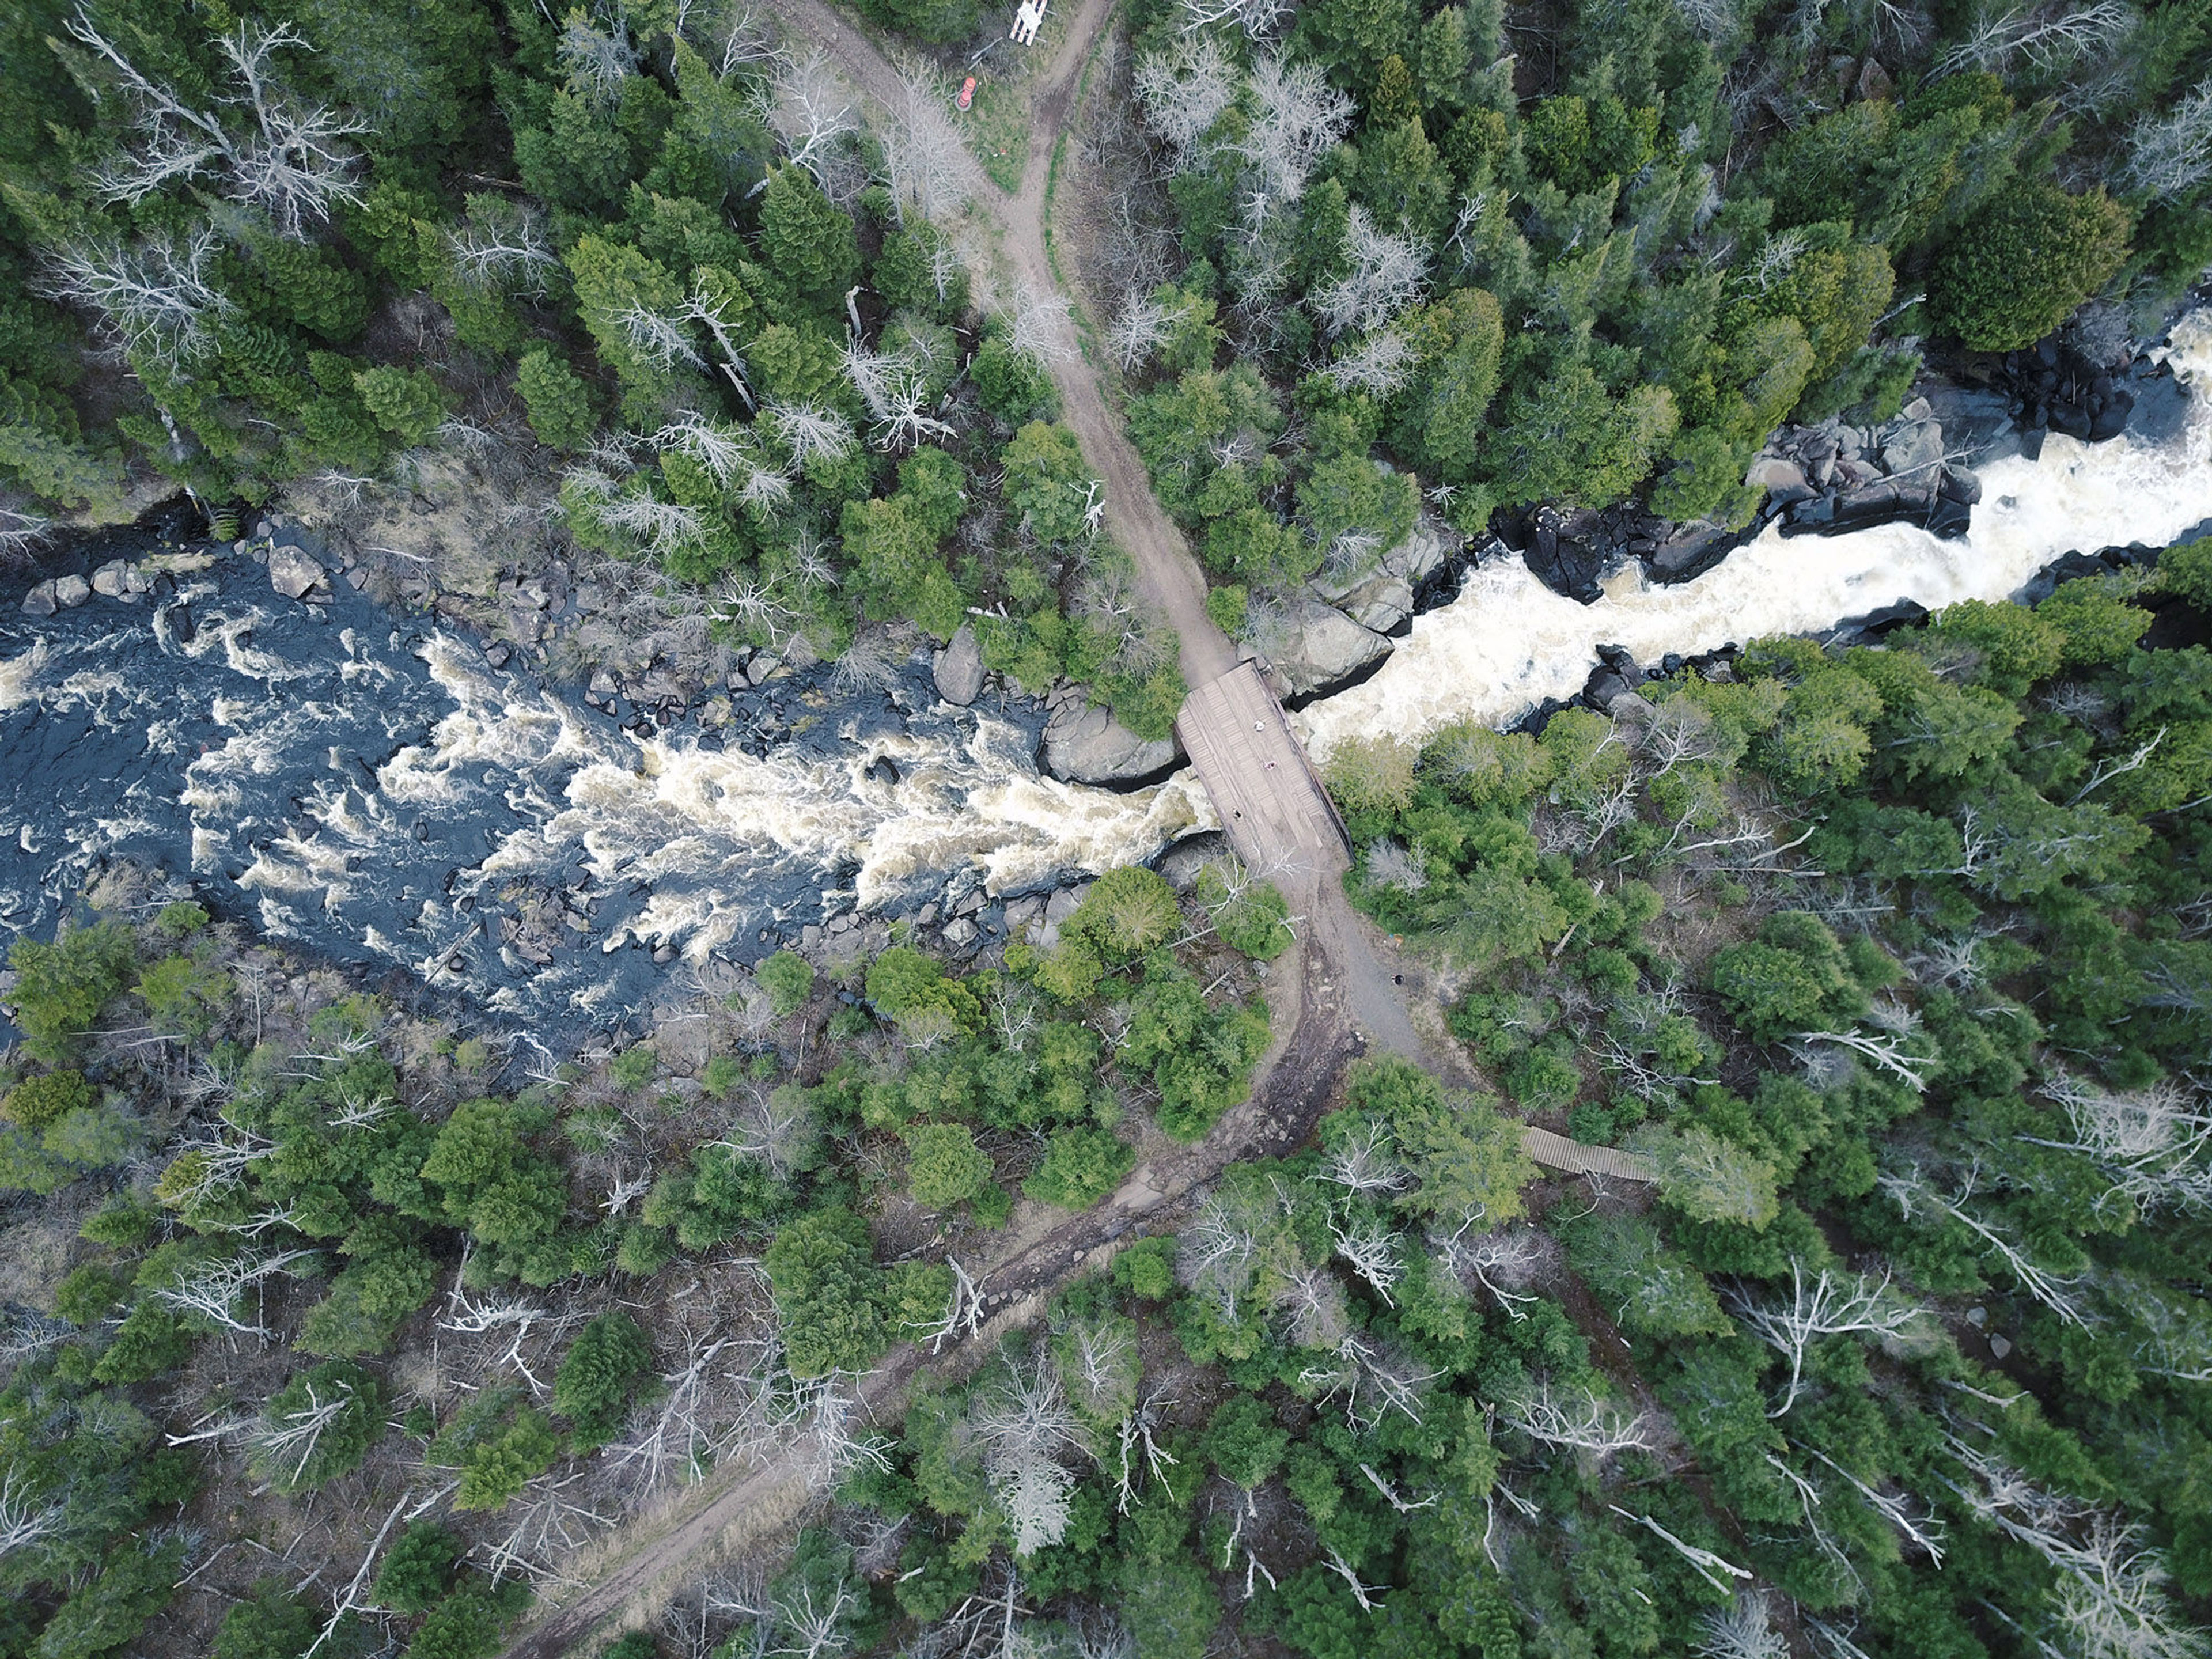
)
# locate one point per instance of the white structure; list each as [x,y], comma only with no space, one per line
[1027,21]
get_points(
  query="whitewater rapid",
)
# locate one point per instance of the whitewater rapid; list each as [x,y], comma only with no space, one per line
[373,788]
[370,788]
[1507,642]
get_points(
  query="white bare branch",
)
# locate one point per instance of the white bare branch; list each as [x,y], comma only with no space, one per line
[1389,272]
[1578,1420]
[2170,153]
[1832,1304]
[1026,1426]
[2154,1144]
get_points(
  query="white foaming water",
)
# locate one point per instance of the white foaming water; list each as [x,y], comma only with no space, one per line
[1507,642]
[704,826]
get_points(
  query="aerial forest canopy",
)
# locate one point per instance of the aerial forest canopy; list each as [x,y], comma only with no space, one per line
[337,1327]
[320,246]
[1564,254]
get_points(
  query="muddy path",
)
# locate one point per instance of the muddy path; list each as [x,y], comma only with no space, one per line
[644,1564]
[1168,576]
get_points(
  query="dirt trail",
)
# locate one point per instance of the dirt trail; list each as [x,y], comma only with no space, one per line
[1167,576]
[1333,999]
[732,1511]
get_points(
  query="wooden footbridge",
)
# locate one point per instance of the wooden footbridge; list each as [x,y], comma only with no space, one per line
[1255,771]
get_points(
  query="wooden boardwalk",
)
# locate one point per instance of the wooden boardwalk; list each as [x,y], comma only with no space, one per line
[1273,807]
[1556,1152]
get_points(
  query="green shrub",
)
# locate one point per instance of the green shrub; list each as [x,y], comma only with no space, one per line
[1081,1165]
[301,1445]
[598,1375]
[418,1569]
[61,987]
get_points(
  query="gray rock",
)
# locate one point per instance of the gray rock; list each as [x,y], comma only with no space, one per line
[958,669]
[70,591]
[40,601]
[1783,480]
[1325,648]
[293,573]
[1020,912]
[1914,452]
[762,665]
[1084,745]
[1065,902]
[2000,1346]
[112,579]
[959,931]
[1180,865]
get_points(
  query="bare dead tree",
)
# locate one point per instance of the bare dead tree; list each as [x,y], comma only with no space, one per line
[157,293]
[807,105]
[545,1526]
[807,431]
[894,390]
[1713,1569]
[1137,330]
[963,1317]
[1742,1630]
[1366,1161]
[21,530]
[1297,119]
[1257,18]
[1832,1304]
[1389,272]
[1136,1433]
[780,1127]
[1916,1192]
[1395,866]
[597,60]
[1380,364]
[1578,1420]
[2171,154]
[2051,38]
[24,1519]
[1373,1382]
[2110,1600]
[927,163]
[1924,1533]
[664,526]
[295,162]
[291,1436]
[1039,325]
[1886,1049]
[211,1290]
[1026,1428]
[1371,1249]
[1502,1261]
[1102,1366]
[2154,1144]
[658,338]
[1184,89]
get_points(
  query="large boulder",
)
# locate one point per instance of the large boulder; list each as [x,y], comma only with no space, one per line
[1782,479]
[295,575]
[70,591]
[1913,452]
[958,669]
[1380,597]
[1086,744]
[1323,649]
[40,601]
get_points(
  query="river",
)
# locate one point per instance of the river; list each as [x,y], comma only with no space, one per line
[1507,642]
[366,786]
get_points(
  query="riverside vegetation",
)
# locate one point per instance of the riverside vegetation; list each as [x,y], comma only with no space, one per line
[262,1219]
[1891,962]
